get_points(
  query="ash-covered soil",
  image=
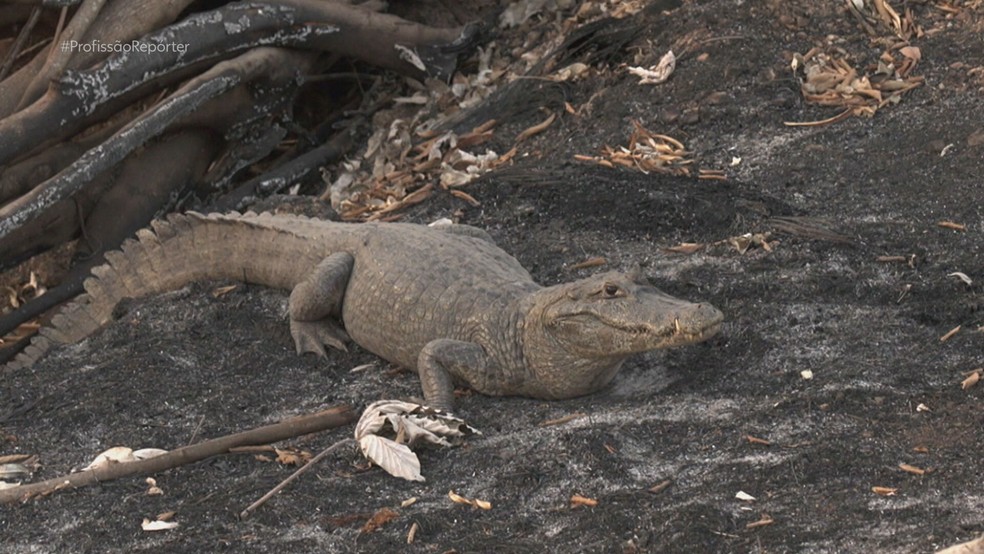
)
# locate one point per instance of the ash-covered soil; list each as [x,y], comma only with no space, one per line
[885,390]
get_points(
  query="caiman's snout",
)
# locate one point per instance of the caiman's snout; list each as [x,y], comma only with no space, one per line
[696,322]
[614,314]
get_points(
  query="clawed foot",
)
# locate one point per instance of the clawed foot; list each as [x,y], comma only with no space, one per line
[313,336]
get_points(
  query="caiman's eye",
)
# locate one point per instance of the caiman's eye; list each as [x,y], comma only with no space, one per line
[611,290]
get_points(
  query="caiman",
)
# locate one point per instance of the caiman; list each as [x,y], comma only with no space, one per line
[445,301]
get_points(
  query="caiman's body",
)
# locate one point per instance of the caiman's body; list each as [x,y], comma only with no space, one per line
[446,302]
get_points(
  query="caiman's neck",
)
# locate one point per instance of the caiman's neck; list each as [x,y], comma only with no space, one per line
[557,370]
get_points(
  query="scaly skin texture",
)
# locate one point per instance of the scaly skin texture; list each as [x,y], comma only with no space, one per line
[446,302]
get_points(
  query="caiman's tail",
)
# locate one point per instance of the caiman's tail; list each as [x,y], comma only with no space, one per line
[169,255]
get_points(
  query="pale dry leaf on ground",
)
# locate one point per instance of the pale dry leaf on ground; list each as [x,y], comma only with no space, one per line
[658,73]
[158,525]
[408,423]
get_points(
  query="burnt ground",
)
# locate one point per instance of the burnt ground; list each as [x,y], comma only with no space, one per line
[186,365]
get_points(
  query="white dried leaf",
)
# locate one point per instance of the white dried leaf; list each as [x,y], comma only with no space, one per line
[658,73]
[147,453]
[440,222]
[410,57]
[922,408]
[962,276]
[806,374]
[410,423]
[742,495]
[157,525]
[454,178]
[395,458]
[114,455]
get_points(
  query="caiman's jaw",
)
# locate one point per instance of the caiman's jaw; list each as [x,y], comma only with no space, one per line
[614,314]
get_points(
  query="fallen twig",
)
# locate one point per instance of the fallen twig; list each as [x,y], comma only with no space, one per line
[300,471]
[327,419]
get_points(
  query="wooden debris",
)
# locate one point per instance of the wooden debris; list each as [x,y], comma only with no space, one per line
[660,487]
[912,469]
[756,440]
[766,519]
[949,334]
[594,261]
[952,225]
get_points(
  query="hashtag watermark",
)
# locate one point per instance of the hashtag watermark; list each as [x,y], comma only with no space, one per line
[120,46]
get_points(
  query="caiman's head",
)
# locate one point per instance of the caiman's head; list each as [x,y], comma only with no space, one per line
[614,314]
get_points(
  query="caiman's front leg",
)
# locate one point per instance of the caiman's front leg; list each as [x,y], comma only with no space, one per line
[316,306]
[443,360]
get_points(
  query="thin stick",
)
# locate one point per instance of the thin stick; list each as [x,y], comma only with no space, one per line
[283,484]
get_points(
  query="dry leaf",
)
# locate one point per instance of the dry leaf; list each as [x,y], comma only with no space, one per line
[410,423]
[685,248]
[158,525]
[408,502]
[884,491]
[742,495]
[756,440]
[378,519]
[578,500]
[658,73]
[458,499]
[536,129]
[395,458]
[962,276]
[971,379]
[912,469]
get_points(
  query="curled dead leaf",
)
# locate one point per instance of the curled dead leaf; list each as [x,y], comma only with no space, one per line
[884,491]
[578,500]
[912,469]
[458,499]
[378,519]
[972,379]
[536,129]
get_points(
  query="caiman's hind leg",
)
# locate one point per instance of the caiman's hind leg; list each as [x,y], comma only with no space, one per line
[316,306]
